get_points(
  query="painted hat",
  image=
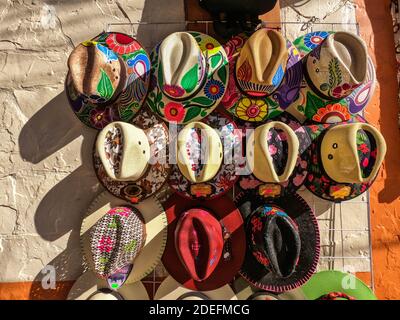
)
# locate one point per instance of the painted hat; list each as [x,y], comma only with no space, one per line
[189,77]
[283,242]
[89,287]
[279,155]
[222,152]
[345,159]
[339,77]
[206,242]
[265,75]
[336,285]
[131,160]
[108,79]
[103,249]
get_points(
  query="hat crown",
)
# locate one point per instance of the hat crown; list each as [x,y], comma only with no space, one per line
[183,66]
[338,65]
[96,72]
[261,65]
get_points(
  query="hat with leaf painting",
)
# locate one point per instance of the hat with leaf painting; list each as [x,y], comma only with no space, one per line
[108,79]
[265,74]
[339,77]
[189,77]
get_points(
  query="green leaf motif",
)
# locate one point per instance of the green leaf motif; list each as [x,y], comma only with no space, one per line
[190,79]
[272,104]
[191,114]
[215,59]
[274,114]
[335,75]
[203,101]
[222,74]
[313,104]
[104,87]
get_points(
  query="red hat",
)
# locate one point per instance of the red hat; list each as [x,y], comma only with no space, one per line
[206,242]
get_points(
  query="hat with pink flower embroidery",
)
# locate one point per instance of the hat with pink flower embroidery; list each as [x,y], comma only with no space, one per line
[189,77]
[339,77]
[108,79]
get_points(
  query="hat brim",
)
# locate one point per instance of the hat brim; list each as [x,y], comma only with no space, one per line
[156,232]
[126,106]
[224,210]
[87,284]
[269,106]
[297,208]
[226,177]
[325,282]
[310,105]
[206,99]
[170,289]
[156,175]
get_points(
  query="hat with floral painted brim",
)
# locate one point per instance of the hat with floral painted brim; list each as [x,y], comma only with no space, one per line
[344,100]
[226,176]
[192,90]
[278,150]
[259,108]
[158,169]
[108,79]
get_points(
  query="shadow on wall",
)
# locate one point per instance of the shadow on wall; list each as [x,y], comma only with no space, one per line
[293,3]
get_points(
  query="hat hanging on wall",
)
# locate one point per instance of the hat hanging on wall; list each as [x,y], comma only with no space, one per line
[131,160]
[206,242]
[108,79]
[345,159]
[189,77]
[206,161]
[265,75]
[283,242]
[339,77]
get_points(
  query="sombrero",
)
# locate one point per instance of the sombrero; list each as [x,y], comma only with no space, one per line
[206,242]
[283,242]
[131,160]
[265,74]
[279,152]
[189,77]
[155,226]
[345,159]
[108,79]
[223,176]
[339,77]
[90,287]
[336,285]
[170,289]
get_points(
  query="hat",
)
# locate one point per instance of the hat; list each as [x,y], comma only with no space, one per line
[125,246]
[89,287]
[345,160]
[265,74]
[170,289]
[218,175]
[282,241]
[206,242]
[336,285]
[108,79]
[339,77]
[190,74]
[280,157]
[131,160]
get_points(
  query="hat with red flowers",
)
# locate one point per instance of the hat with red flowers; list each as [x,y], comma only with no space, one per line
[108,79]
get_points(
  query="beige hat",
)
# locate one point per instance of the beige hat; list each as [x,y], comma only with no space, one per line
[258,154]
[199,152]
[155,221]
[172,290]
[339,153]
[89,287]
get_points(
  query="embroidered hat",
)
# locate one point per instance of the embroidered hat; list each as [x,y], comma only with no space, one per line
[345,160]
[111,237]
[339,77]
[282,241]
[190,74]
[131,160]
[206,242]
[265,74]
[108,79]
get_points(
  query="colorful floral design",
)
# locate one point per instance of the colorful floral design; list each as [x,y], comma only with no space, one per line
[173,91]
[174,112]
[343,90]
[332,113]
[314,39]
[210,44]
[214,89]
[100,117]
[122,43]
[251,109]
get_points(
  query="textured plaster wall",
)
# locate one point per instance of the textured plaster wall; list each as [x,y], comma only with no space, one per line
[46,178]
